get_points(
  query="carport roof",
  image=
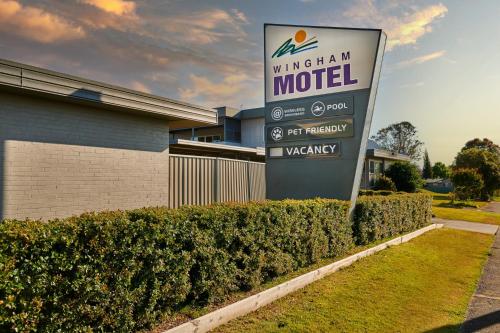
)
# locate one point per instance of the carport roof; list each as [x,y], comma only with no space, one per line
[217,146]
[382,153]
[38,81]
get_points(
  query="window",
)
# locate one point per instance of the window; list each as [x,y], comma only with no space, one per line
[375,167]
[374,171]
[209,138]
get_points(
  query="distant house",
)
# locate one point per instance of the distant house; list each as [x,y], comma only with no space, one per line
[239,134]
[439,185]
[377,160]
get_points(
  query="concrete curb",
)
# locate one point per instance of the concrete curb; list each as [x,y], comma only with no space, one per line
[252,303]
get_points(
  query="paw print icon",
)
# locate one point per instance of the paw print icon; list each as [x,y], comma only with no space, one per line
[277,133]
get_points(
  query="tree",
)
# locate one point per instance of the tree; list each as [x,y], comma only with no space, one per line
[384,183]
[440,170]
[484,144]
[405,176]
[486,163]
[427,170]
[400,138]
[468,183]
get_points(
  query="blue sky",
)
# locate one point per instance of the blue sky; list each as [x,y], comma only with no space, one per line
[441,70]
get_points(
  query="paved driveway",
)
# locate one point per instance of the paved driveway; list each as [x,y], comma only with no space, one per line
[484,308]
[468,226]
[493,207]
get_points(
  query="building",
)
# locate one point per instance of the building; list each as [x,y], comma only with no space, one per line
[244,130]
[238,134]
[377,160]
[438,185]
[69,145]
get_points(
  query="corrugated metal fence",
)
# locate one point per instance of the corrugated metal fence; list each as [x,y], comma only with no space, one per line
[197,180]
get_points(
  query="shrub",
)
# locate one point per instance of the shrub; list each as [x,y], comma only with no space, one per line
[468,184]
[405,176]
[384,183]
[378,217]
[372,192]
[124,271]
[366,192]
[487,165]
[120,271]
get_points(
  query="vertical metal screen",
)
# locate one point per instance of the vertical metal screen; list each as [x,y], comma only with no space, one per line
[197,180]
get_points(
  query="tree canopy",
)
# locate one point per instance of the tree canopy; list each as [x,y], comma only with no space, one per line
[400,138]
[427,169]
[486,163]
[484,144]
[440,170]
[468,183]
[405,176]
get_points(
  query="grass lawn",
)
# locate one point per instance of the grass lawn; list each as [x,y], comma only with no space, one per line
[466,215]
[419,286]
[189,312]
[465,211]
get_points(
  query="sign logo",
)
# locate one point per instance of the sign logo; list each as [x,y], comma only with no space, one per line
[303,44]
[318,108]
[277,113]
[277,133]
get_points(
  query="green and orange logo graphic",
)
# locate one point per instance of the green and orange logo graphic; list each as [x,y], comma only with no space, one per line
[303,44]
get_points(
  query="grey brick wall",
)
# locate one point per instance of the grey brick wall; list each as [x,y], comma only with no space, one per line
[59,159]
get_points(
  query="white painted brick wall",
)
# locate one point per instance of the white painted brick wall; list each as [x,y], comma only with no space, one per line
[58,159]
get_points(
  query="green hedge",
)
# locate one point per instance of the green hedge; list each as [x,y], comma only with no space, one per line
[382,216]
[377,192]
[122,271]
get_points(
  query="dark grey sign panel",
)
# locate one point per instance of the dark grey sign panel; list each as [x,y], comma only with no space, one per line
[306,150]
[310,130]
[316,108]
[326,177]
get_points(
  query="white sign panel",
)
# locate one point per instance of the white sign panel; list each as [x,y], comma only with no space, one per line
[306,61]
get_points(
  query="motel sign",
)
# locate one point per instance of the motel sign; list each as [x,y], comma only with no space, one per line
[320,88]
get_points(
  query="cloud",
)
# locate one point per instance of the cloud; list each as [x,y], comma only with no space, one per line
[401,30]
[104,14]
[208,26]
[204,56]
[225,92]
[240,15]
[36,24]
[414,26]
[117,7]
[139,86]
[421,59]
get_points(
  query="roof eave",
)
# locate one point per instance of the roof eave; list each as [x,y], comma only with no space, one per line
[220,146]
[387,154]
[33,80]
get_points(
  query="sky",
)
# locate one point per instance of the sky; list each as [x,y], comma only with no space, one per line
[441,69]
